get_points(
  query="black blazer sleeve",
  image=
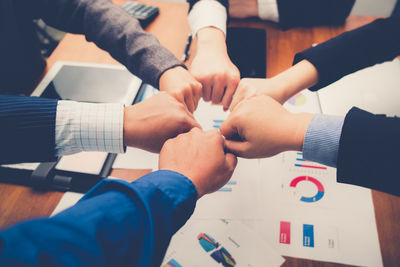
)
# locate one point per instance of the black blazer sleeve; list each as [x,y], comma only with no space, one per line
[27,129]
[373,43]
[369,151]
[293,13]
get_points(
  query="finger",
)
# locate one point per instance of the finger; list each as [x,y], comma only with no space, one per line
[237,97]
[240,149]
[229,92]
[217,91]
[189,101]
[197,92]
[193,123]
[227,128]
[230,162]
[206,91]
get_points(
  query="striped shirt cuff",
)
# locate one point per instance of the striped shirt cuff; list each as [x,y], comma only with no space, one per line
[268,10]
[321,142]
[207,13]
[89,127]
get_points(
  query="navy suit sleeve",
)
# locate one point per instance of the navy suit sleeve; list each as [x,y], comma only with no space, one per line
[373,43]
[115,224]
[27,132]
[294,13]
[369,151]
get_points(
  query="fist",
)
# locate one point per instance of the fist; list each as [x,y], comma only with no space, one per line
[182,85]
[261,127]
[199,156]
[149,124]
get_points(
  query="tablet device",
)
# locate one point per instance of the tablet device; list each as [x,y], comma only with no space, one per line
[247,49]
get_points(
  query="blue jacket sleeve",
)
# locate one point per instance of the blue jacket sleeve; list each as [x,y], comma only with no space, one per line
[27,129]
[115,224]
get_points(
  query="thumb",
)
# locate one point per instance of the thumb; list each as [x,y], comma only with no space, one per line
[238,148]
[230,162]
[227,129]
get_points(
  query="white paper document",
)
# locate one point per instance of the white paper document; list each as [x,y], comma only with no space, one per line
[219,243]
[68,200]
[135,158]
[307,214]
[84,162]
[374,89]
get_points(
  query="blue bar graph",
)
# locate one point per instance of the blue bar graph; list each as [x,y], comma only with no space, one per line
[308,235]
[225,189]
[217,123]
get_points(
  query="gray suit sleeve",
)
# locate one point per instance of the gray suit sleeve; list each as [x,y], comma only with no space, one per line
[110,28]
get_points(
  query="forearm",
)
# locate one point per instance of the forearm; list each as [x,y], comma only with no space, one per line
[210,38]
[114,30]
[116,223]
[373,43]
[295,79]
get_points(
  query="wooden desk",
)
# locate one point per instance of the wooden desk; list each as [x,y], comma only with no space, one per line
[18,203]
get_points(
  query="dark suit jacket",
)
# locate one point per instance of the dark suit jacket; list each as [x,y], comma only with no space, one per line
[27,129]
[369,144]
[294,13]
[105,24]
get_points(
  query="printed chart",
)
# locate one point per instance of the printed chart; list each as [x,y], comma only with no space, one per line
[298,100]
[219,243]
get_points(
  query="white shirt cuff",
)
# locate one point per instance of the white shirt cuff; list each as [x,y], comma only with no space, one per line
[268,10]
[207,13]
[89,127]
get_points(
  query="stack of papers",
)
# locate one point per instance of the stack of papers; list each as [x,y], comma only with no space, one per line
[280,206]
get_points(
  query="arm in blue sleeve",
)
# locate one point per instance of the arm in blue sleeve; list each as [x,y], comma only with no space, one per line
[115,224]
[321,142]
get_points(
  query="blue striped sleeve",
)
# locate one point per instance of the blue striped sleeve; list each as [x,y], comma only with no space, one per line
[321,142]
[27,132]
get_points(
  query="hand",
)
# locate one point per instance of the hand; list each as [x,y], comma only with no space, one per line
[199,156]
[212,67]
[149,124]
[260,127]
[281,87]
[181,85]
[243,8]
[249,87]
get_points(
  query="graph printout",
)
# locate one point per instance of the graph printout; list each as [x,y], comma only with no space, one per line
[219,243]
[295,206]
[307,214]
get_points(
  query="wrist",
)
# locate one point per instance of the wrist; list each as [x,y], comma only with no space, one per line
[300,124]
[169,75]
[210,38]
[297,78]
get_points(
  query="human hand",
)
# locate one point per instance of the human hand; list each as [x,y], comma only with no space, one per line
[281,87]
[182,85]
[260,127]
[212,67]
[249,87]
[199,156]
[147,125]
[241,9]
